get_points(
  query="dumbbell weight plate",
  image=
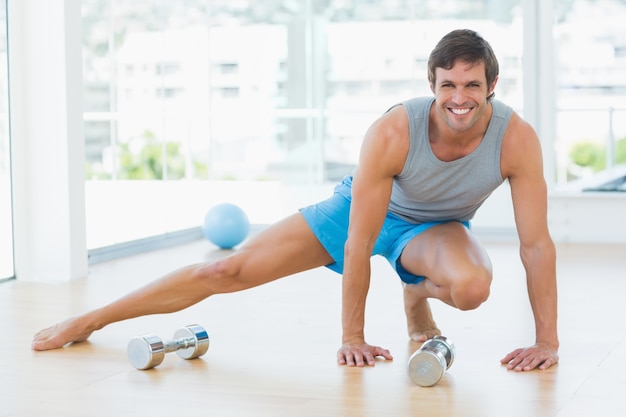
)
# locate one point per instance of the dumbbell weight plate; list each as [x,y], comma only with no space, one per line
[197,349]
[146,351]
[426,366]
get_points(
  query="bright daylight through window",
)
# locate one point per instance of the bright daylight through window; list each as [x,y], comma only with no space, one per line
[590,39]
[263,104]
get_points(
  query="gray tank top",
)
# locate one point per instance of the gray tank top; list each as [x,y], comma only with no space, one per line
[429,189]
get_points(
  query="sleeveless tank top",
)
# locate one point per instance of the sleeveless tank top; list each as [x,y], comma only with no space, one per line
[429,189]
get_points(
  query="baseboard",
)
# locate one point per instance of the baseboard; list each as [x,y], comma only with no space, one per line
[146,244]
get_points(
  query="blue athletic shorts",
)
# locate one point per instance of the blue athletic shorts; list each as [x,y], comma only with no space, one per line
[329,222]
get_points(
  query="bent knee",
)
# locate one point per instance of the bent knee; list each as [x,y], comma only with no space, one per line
[470,291]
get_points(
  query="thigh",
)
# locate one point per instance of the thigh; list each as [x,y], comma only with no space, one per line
[445,252]
[282,249]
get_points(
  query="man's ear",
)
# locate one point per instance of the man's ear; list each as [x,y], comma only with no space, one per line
[492,87]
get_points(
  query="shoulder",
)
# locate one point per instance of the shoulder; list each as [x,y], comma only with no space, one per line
[518,128]
[521,148]
[387,139]
[390,126]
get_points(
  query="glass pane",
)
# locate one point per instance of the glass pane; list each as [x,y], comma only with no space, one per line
[6,222]
[231,98]
[591,75]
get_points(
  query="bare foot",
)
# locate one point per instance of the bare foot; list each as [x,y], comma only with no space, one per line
[59,335]
[420,323]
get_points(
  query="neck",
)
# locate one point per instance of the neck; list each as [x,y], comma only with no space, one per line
[449,144]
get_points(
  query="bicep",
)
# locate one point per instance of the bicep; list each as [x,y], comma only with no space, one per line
[528,189]
[382,157]
[370,199]
[530,208]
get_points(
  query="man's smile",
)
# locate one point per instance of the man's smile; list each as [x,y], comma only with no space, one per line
[460,110]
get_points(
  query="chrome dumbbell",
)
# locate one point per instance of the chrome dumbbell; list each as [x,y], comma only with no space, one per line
[429,363]
[147,351]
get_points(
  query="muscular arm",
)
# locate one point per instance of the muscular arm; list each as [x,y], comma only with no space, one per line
[523,162]
[382,157]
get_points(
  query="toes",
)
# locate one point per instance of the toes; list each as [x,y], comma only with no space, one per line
[40,344]
[45,343]
[418,337]
[424,335]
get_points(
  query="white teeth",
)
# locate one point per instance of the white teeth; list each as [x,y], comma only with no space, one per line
[460,111]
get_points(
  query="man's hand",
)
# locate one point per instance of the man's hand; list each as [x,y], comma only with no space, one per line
[360,354]
[540,356]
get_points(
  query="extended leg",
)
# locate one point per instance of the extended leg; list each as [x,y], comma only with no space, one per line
[457,270]
[283,249]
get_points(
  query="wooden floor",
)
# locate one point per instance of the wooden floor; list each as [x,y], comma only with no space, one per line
[273,348]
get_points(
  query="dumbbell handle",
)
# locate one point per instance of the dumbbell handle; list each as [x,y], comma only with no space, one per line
[441,348]
[442,345]
[177,344]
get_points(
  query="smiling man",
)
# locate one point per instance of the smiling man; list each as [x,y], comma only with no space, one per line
[425,168]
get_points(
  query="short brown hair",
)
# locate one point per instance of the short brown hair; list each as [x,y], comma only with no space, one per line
[467,46]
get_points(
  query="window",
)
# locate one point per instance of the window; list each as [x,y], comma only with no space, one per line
[251,102]
[228,68]
[167,68]
[6,218]
[591,95]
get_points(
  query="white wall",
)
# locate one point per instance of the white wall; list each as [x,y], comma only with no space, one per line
[47,139]
[573,217]
[588,218]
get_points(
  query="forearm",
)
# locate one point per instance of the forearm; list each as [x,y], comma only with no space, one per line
[540,264]
[355,287]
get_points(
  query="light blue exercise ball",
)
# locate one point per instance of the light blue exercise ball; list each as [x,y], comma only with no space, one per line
[226,225]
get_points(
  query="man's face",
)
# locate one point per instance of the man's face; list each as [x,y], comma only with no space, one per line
[461,94]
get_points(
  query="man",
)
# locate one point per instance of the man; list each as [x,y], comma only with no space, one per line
[425,167]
